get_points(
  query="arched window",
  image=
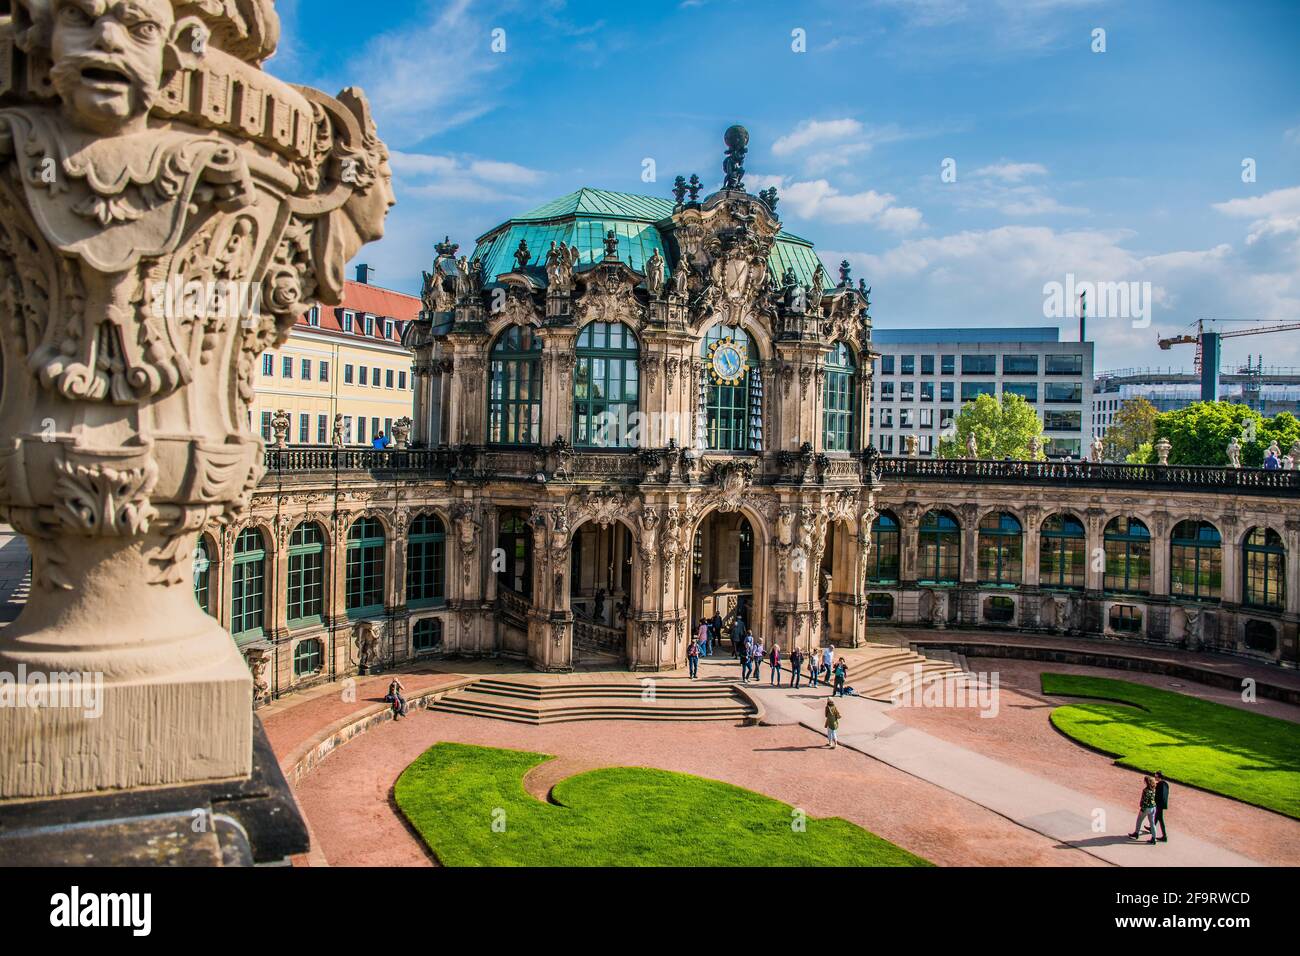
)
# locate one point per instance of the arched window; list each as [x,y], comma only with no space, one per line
[745,562]
[516,543]
[364,585]
[1000,550]
[515,388]
[606,388]
[1128,557]
[247,580]
[308,657]
[1263,566]
[306,574]
[202,574]
[1063,553]
[426,562]
[427,636]
[731,392]
[839,399]
[883,561]
[940,557]
[1196,562]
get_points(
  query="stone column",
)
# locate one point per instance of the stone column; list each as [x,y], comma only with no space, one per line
[155,242]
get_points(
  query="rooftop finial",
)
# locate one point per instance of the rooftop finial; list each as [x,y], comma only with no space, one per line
[522,255]
[694,186]
[737,140]
[846,281]
[446,247]
[679,189]
[611,246]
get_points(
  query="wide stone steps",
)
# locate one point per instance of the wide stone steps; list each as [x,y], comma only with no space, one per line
[534,702]
[881,675]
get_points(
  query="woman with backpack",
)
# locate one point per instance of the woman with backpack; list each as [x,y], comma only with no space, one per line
[841,674]
[832,723]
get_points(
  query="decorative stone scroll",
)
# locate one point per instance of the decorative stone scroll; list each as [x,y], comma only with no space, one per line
[167,211]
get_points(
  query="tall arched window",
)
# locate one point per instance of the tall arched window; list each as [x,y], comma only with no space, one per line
[202,574]
[731,392]
[1196,562]
[839,399]
[1263,567]
[364,584]
[306,574]
[745,560]
[883,561]
[1001,549]
[515,388]
[606,388]
[515,540]
[940,557]
[1063,553]
[247,581]
[426,562]
[1128,557]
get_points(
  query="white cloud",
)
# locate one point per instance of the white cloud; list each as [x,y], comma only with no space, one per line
[815,131]
[818,199]
[1011,172]
[455,178]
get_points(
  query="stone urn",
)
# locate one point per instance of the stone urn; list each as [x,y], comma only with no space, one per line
[157,234]
[1163,448]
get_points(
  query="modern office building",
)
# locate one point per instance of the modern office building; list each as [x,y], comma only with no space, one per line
[1268,390]
[924,376]
[347,360]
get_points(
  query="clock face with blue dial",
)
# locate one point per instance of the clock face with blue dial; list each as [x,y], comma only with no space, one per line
[728,362]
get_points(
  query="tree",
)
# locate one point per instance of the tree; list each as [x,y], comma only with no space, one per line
[1133,426]
[1001,429]
[1199,434]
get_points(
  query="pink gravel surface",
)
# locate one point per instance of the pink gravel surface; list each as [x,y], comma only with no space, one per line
[1022,736]
[348,798]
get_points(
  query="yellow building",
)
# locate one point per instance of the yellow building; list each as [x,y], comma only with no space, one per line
[346,360]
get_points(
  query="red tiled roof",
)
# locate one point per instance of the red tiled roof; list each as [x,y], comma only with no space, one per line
[363,299]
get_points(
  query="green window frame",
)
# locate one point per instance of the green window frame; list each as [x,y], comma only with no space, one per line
[1196,562]
[839,399]
[247,586]
[1263,569]
[426,562]
[426,637]
[1001,550]
[606,385]
[940,550]
[515,388]
[1063,554]
[1127,542]
[515,540]
[364,584]
[305,598]
[308,657]
[203,574]
[728,410]
[883,562]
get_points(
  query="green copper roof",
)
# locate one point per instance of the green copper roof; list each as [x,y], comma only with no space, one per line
[582,219]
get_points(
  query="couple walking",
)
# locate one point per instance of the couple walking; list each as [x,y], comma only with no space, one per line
[1151,808]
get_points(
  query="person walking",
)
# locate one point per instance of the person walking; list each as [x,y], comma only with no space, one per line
[828,655]
[1162,804]
[814,667]
[737,635]
[832,723]
[693,657]
[774,659]
[796,666]
[716,635]
[702,632]
[841,674]
[759,651]
[746,657]
[1146,811]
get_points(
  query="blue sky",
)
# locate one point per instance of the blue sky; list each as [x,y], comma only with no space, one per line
[1115,166]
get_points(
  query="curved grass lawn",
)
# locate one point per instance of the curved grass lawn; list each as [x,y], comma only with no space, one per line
[1236,753]
[619,816]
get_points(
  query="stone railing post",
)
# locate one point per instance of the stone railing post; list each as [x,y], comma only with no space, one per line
[156,236]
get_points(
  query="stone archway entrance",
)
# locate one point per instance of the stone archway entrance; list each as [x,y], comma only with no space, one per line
[723,571]
[602,595]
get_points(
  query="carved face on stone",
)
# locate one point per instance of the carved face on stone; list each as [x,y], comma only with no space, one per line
[108,58]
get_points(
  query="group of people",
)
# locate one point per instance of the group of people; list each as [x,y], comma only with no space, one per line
[1151,808]
[751,652]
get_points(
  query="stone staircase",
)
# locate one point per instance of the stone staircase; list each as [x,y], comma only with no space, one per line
[543,700]
[881,671]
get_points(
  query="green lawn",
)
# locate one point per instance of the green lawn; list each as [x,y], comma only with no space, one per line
[453,794]
[1240,754]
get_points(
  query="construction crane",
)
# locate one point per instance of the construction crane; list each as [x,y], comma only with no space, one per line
[1209,350]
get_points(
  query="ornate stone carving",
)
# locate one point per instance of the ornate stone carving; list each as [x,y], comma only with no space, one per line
[259,661]
[280,424]
[336,439]
[560,261]
[167,211]
[402,432]
[368,636]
